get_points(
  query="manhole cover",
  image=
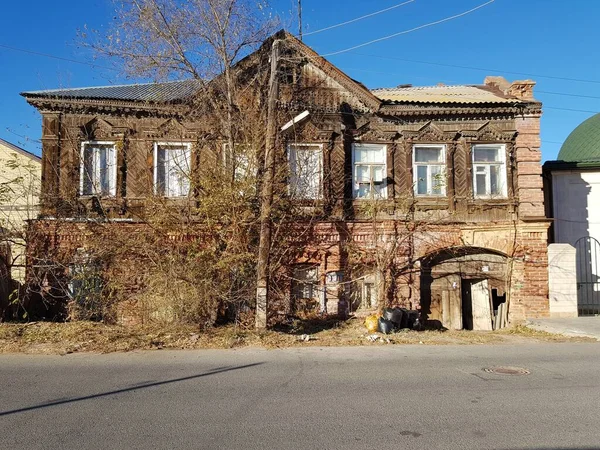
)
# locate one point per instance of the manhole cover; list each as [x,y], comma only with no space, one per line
[507,370]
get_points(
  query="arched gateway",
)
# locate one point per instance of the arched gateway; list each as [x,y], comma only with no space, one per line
[463,287]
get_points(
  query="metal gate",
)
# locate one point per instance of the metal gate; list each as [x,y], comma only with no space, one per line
[588,276]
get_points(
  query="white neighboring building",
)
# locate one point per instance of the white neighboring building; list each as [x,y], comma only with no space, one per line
[573,202]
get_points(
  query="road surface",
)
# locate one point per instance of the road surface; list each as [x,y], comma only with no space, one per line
[388,397]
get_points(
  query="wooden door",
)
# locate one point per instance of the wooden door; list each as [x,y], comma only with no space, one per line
[480,302]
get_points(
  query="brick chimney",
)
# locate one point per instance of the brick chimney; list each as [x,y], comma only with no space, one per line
[522,89]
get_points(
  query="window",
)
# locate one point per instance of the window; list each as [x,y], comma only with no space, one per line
[369,170]
[365,289]
[489,170]
[306,167]
[172,169]
[98,168]
[429,169]
[242,161]
[305,282]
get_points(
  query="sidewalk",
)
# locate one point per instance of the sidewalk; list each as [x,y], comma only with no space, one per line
[576,326]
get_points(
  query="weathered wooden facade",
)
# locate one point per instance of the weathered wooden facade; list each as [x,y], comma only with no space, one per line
[445,178]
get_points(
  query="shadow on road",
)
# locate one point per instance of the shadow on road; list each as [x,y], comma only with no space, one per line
[128,389]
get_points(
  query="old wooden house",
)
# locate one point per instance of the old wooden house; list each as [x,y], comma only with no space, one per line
[427,197]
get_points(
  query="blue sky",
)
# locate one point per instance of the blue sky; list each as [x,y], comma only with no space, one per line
[553,42]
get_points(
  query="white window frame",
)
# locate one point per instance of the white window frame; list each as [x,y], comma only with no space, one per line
[429,176]
[487,165]
[113,174]
[355,165]
[188,149]
[318,148]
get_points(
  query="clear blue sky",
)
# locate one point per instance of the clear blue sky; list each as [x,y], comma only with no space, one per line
[541,38]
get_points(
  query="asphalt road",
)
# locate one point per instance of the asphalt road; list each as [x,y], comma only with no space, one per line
[414,397]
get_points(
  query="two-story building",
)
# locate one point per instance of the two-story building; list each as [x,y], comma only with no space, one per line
[427,197]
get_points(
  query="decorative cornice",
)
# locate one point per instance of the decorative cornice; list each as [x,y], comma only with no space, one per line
[98,129]
[106,107]
[488,132]
[464,110]
[430,132]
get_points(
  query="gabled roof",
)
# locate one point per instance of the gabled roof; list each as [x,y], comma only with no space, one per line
[19,150]
[465,94]
[146,92]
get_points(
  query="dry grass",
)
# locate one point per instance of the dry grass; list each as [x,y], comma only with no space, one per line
[62,338]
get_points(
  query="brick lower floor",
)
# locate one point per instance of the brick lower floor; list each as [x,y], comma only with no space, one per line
[447,272]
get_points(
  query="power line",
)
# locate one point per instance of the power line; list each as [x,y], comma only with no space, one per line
[31,52]
[359,18]
[387,72]
[574,110]
[411,30]
[568,95]
[455,66]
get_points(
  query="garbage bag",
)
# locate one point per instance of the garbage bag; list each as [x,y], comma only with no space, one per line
[404,319]
[385,326]
[413,320]
[393,315]
[371,323]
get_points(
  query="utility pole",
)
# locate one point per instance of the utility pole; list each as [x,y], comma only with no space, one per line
[300,19]
[266,197]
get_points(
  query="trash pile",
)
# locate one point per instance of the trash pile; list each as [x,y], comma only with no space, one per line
[394,319]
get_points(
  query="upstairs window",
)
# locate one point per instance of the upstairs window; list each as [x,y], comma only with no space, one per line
[369,170]
[98,174]
[241,161]
[172,169]
[489,170]
[306,168]
[429,170]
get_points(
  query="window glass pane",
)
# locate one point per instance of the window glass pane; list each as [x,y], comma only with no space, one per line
[374,154]
[363,174]
[486,154]
[363,190]
[305,167]
[305,282]
[437,180]
[480,184]
[173,170]
[495,180]
[377,173]
[422,180]
[88,170]
[428,154]
[98,168]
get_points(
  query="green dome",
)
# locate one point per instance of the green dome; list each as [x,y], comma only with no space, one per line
[583,144]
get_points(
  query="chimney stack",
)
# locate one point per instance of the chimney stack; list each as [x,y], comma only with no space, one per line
[522,89]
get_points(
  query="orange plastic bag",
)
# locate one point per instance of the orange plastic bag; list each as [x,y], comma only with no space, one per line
[371,323]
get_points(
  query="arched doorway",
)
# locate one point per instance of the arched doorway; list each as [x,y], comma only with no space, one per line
[463,287]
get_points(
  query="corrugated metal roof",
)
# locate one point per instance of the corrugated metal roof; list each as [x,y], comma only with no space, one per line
[144,92]
[443,94]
